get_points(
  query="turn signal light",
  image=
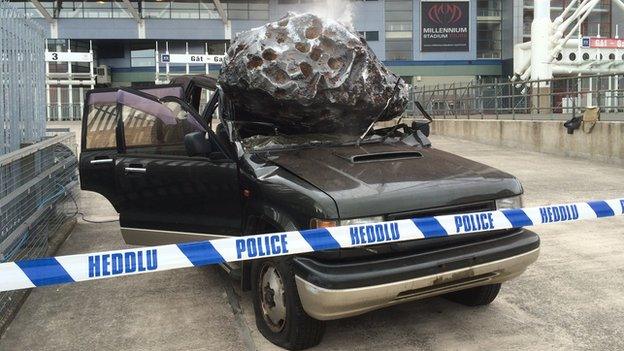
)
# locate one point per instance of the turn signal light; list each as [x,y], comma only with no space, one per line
[322,223]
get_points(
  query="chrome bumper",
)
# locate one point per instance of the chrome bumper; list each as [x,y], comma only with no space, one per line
[327,304]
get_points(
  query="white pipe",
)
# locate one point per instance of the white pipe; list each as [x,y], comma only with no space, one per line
[523,65]
[540,41]
[567,9]
[564,25]
[579,12]
[557,49]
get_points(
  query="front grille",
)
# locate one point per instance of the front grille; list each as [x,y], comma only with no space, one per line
[410,247]
[439,211]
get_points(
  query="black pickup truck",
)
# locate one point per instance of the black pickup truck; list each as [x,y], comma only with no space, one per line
[176,175]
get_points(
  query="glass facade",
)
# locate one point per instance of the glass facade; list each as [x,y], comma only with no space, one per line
[489,40]
[393,31]
[489,28]
[76,46]
[143,58]
[399,28]
[489,8]
[247,9]
[160,9]
[370,35]
[597,23]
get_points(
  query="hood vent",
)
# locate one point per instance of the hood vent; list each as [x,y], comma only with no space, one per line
[381,156]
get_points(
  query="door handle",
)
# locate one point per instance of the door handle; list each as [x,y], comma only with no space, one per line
[99,161]
[135,170]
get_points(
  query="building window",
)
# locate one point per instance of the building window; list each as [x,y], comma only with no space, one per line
[120,10]
[489,8]
[72,10]
[598,21]
[143,58]
[399,26]
[185,9]
[94,9]
[247,9]
[489,29]
[489,40]
[370,35]
[208,10]
[156,9]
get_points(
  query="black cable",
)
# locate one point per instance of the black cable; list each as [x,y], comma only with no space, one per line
[82,214]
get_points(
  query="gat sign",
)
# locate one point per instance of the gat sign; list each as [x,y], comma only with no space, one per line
[602,43]
[191,58]
[445,26]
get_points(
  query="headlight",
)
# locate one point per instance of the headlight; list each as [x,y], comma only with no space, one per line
[362,220]
[509,202]
[325,223]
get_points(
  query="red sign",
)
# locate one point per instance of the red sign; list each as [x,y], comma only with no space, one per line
[603,43]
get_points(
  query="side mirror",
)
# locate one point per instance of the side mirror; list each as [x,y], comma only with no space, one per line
[197,144]
[422,127]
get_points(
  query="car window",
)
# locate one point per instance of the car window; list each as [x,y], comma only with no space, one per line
[101,115]
[154,127]
[100,128]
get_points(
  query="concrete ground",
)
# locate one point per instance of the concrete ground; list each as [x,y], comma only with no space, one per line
[571,298]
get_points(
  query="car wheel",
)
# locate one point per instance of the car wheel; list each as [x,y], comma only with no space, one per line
[279,314]
[479,296]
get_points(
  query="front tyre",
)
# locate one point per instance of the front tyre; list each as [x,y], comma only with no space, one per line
[279,314]
[479,296]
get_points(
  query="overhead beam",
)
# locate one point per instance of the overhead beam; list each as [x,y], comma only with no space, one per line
[219,7]
[43,11]
[135,14]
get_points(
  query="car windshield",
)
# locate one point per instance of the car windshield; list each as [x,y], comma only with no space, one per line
[282,141]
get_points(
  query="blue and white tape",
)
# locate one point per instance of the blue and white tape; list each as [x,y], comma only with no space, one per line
[99,265]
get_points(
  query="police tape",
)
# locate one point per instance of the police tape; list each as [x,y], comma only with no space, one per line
[100,265]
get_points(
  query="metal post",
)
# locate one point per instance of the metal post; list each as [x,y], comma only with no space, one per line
[187,65]
[47,73]
[59,107]
[81,98]
[91,65]
[513,102]
[207,63]
[167,63]
[70,93]
[496,97]
[618,95]
[157,60]
[590,95]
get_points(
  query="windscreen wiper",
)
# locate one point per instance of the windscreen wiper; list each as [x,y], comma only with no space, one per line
[357,142]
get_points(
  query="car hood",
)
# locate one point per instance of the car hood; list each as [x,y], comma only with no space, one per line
[378,179]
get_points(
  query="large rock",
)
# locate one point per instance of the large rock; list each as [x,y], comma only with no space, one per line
[309,74]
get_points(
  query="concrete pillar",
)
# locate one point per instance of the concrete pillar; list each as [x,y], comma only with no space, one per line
[540,57]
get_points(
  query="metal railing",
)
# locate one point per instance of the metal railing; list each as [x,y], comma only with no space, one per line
[22,79]
[36,198]
[37,173]
[557,98]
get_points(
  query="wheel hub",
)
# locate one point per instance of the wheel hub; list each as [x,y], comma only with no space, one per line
[272,298]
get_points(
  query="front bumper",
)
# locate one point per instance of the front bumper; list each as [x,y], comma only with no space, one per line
[337,290]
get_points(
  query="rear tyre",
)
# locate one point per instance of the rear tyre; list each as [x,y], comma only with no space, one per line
[279,314]
[479,296]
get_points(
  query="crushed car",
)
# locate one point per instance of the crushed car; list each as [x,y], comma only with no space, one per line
[195,160]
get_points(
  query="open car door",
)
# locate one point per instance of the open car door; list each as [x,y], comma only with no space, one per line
[173,180]
[98,143]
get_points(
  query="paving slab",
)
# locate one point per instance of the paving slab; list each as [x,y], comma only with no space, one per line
[185,309]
